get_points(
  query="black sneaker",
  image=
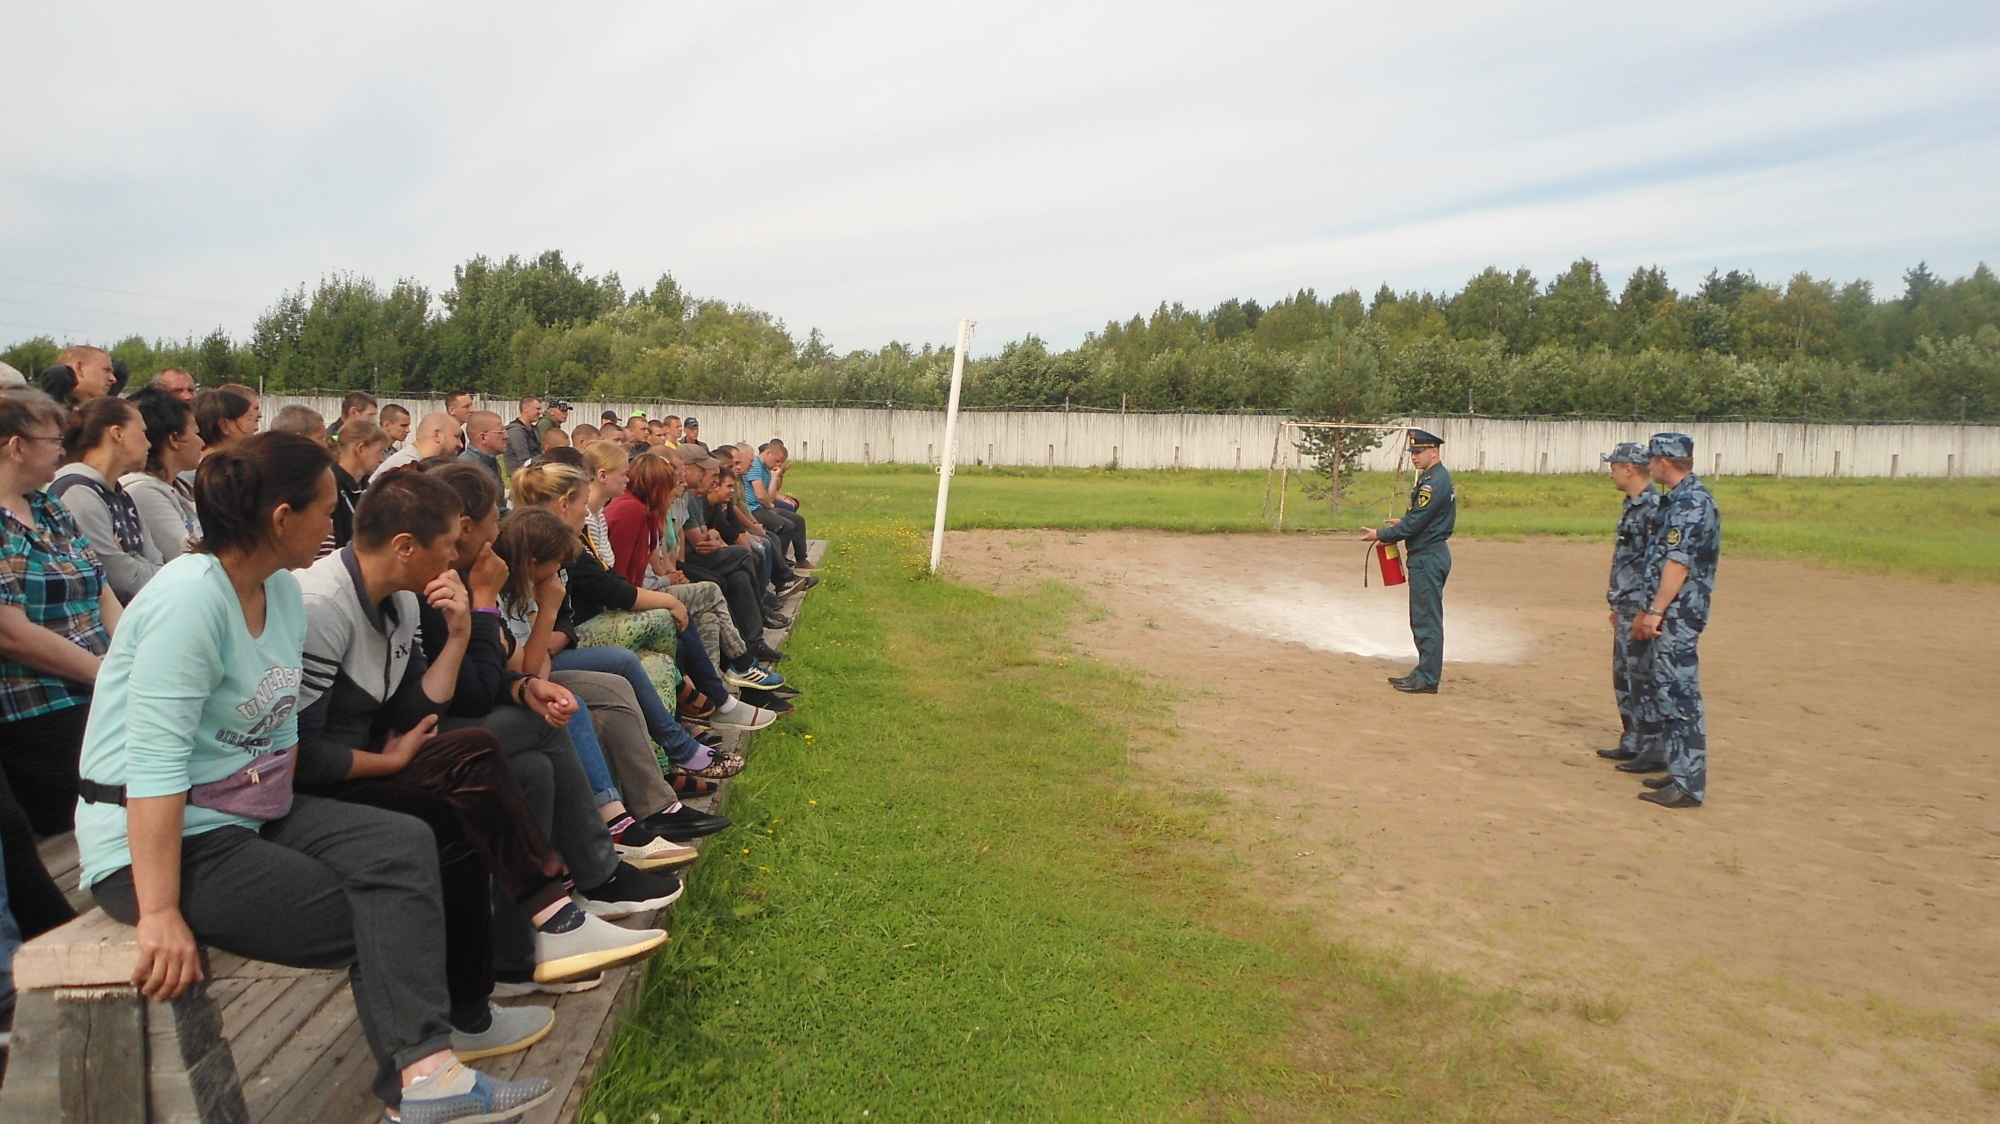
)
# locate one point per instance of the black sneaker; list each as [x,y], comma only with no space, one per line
[710,738]
[686,824]
[777,620]
[767,654]
[630,890]
[765,700]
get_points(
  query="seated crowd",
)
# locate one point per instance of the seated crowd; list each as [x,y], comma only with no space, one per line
[417,702]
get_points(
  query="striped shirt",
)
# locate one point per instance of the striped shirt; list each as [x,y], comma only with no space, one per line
[49,572]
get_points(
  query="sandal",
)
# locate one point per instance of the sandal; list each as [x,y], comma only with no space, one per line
[687,786]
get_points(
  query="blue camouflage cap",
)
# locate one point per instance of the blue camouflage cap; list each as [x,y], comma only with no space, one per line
[1419,438]
[1670,445]
[1626,452]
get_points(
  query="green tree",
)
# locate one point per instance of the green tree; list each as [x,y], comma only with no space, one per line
[1338,379]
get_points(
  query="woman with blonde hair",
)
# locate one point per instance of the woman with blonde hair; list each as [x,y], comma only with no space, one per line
[360,447]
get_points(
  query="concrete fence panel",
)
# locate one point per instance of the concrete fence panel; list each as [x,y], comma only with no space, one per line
[1077,439]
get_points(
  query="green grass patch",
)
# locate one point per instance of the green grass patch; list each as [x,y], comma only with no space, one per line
[1947,530]
[947,898]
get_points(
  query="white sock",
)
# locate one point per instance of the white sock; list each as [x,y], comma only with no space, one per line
[449,1080]
[729,707]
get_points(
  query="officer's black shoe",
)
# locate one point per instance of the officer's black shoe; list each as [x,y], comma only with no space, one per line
[1670,796]
[1657,782]
[1414,686]
[1399,680]
[1642,765]
[1618,753]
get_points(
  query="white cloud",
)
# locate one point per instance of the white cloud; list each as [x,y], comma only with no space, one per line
[879,169]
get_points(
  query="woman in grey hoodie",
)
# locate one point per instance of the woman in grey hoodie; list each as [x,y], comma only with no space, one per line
[107,440]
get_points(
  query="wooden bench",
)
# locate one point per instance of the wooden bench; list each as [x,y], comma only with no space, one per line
[255,1043]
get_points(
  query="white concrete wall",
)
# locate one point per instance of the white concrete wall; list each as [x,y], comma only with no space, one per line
[1244,441]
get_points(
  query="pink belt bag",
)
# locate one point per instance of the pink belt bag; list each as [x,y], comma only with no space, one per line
[261,790]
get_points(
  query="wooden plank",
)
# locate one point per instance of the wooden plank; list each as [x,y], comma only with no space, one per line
[59,858]
[91,951]
[622,1004]
[568,1060]
[261,1035]
[276,1092]
[333,1085]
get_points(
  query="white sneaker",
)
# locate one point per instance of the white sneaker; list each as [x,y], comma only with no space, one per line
[742,716]
[593,946]
[657,854]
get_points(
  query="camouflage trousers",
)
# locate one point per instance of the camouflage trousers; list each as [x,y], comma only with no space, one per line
[709,613]
[1631,685]
[1679,725]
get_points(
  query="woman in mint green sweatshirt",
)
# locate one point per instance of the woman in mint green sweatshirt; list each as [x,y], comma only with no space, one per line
[200,688]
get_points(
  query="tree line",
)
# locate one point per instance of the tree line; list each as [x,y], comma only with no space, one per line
[1506,344]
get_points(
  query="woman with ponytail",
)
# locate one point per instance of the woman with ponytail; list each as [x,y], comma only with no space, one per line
[165,499]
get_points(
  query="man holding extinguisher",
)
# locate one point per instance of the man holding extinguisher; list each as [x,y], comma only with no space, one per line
[1424,530]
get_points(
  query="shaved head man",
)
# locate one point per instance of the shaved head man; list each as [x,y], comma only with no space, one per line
[92,368]
[437,436]
[485,440]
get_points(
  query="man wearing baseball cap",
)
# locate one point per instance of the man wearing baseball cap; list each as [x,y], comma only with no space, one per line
[1426,527]
[1680,578]
[1627,594]
[691,433]
[555,415]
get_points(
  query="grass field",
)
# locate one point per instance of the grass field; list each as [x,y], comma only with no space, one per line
[1947,530]
[918,917]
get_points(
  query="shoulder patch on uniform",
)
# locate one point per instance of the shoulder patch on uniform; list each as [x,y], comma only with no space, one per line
[1673,536]
[1424,498]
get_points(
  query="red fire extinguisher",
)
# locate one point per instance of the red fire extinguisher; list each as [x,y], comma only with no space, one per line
[1390,556]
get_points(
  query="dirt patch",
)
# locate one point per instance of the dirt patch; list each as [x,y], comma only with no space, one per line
[1822,938]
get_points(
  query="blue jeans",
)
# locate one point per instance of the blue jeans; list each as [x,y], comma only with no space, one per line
[624,662]
[591,754]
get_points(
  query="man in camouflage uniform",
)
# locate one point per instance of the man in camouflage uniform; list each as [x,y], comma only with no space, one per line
[1426,527]
[1627,595]
[1680,579]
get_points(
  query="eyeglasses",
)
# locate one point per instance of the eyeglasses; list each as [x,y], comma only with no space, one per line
[32,437]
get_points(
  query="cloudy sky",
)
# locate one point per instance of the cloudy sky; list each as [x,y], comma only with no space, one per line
[879,169]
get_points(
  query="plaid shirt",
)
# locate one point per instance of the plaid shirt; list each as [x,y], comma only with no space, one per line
[49,572]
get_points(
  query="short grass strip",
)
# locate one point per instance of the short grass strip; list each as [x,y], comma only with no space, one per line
[949,898]
[1946,530]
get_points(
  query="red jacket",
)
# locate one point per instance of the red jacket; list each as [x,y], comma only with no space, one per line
[635,534]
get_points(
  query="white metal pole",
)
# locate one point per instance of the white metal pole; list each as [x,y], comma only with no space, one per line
[950,442]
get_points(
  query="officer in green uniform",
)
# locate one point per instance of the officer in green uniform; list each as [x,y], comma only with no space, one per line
[1424,530]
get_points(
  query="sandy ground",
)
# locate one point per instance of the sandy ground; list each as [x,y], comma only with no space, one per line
[1823,937]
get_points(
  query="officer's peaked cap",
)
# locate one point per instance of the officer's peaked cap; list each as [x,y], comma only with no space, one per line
[1421,438]
[1670,445]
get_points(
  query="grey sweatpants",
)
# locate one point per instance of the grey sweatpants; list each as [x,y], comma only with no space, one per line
[332,885]
[621,730]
